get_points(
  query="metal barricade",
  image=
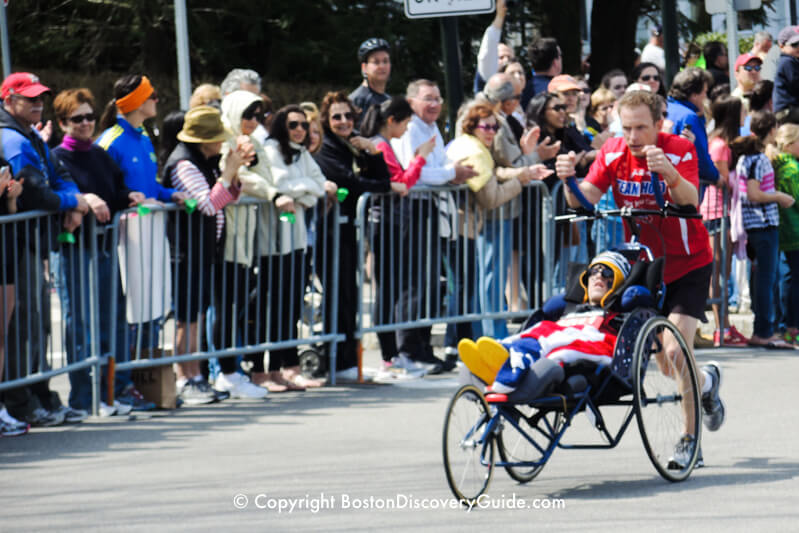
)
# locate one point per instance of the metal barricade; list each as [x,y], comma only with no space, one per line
[261,288]
[41,338]
[440,258]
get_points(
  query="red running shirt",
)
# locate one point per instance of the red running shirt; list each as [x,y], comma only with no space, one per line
[685,240]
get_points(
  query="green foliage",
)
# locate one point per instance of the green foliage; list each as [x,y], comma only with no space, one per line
[744,42]
[299,41]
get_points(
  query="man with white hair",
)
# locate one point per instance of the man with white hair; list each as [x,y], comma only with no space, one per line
[763,47]
[241,79]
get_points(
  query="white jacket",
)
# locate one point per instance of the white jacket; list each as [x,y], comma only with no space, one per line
[303,181]
[241,221]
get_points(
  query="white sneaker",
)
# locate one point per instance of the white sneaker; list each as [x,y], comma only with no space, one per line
[239,386]
[123,409]
[389,373]
[10,426]
[410,366]
[6,418]
[348,374]
[106,410]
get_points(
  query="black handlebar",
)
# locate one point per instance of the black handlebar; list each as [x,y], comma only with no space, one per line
[667,209]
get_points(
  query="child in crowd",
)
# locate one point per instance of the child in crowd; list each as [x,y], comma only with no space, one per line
[759,206]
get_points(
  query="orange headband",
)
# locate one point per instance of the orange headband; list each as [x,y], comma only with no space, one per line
[133,100]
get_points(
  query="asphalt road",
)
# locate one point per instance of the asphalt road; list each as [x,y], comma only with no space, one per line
[368,457]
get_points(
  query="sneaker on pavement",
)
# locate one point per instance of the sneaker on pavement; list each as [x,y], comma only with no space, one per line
[682,454]
[433,364]
[134,398]
[732,337]
[72,416]
[118,409]
[735,338]
[218,394]
[122,409]
[106,410]
[41,417]
[712,406]
[191,393]
[239,386]
[409,365]
[10,426]
[389,373]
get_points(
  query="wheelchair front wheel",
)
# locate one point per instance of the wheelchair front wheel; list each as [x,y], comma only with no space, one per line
[468,450]
[514,447]
[666,398]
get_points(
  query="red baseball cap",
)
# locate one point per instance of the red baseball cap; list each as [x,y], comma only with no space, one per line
[563,83]
[24,84]
[743,59]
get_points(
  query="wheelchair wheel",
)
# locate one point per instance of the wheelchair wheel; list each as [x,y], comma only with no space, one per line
[312,364]
[666,398]
[513,446]
[465,447]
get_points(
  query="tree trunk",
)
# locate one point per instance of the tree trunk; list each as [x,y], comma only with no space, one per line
[561,20]
[613,24]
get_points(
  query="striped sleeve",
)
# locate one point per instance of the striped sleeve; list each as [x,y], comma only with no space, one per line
[187,178]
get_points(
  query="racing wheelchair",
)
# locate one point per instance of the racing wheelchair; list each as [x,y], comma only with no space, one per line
[520,431]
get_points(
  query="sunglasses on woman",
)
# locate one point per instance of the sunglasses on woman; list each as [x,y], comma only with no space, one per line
[750,68]
[488,127]
[77,119]
[602,270]
[649,77]
[558,108]
[252,114]
[342,116]
[294,124]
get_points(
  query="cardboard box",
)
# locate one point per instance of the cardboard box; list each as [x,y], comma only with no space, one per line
[156,383]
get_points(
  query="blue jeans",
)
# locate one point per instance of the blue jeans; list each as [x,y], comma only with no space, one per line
[792,320]
[494,251]
[764,274]
[75,294]
[780,310]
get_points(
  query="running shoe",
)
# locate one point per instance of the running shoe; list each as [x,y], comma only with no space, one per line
[683,452]
[712,406]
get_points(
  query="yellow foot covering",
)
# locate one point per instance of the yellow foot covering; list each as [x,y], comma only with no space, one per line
[483,358]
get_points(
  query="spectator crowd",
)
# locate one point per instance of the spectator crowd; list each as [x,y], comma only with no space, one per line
[295,162]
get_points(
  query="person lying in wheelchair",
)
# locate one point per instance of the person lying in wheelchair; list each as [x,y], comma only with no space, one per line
[581,325]
[585,331]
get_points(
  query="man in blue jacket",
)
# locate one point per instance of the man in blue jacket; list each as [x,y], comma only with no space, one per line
[786,82]
[28,155]
[46,185]
[686,110]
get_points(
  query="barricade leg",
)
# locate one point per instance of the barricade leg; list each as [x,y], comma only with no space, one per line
[75,299]
[285,294]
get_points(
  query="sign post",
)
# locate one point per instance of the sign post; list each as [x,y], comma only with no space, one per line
[449,10]
[4,41]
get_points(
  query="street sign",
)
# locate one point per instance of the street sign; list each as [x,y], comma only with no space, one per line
[714,7]
[416,9]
